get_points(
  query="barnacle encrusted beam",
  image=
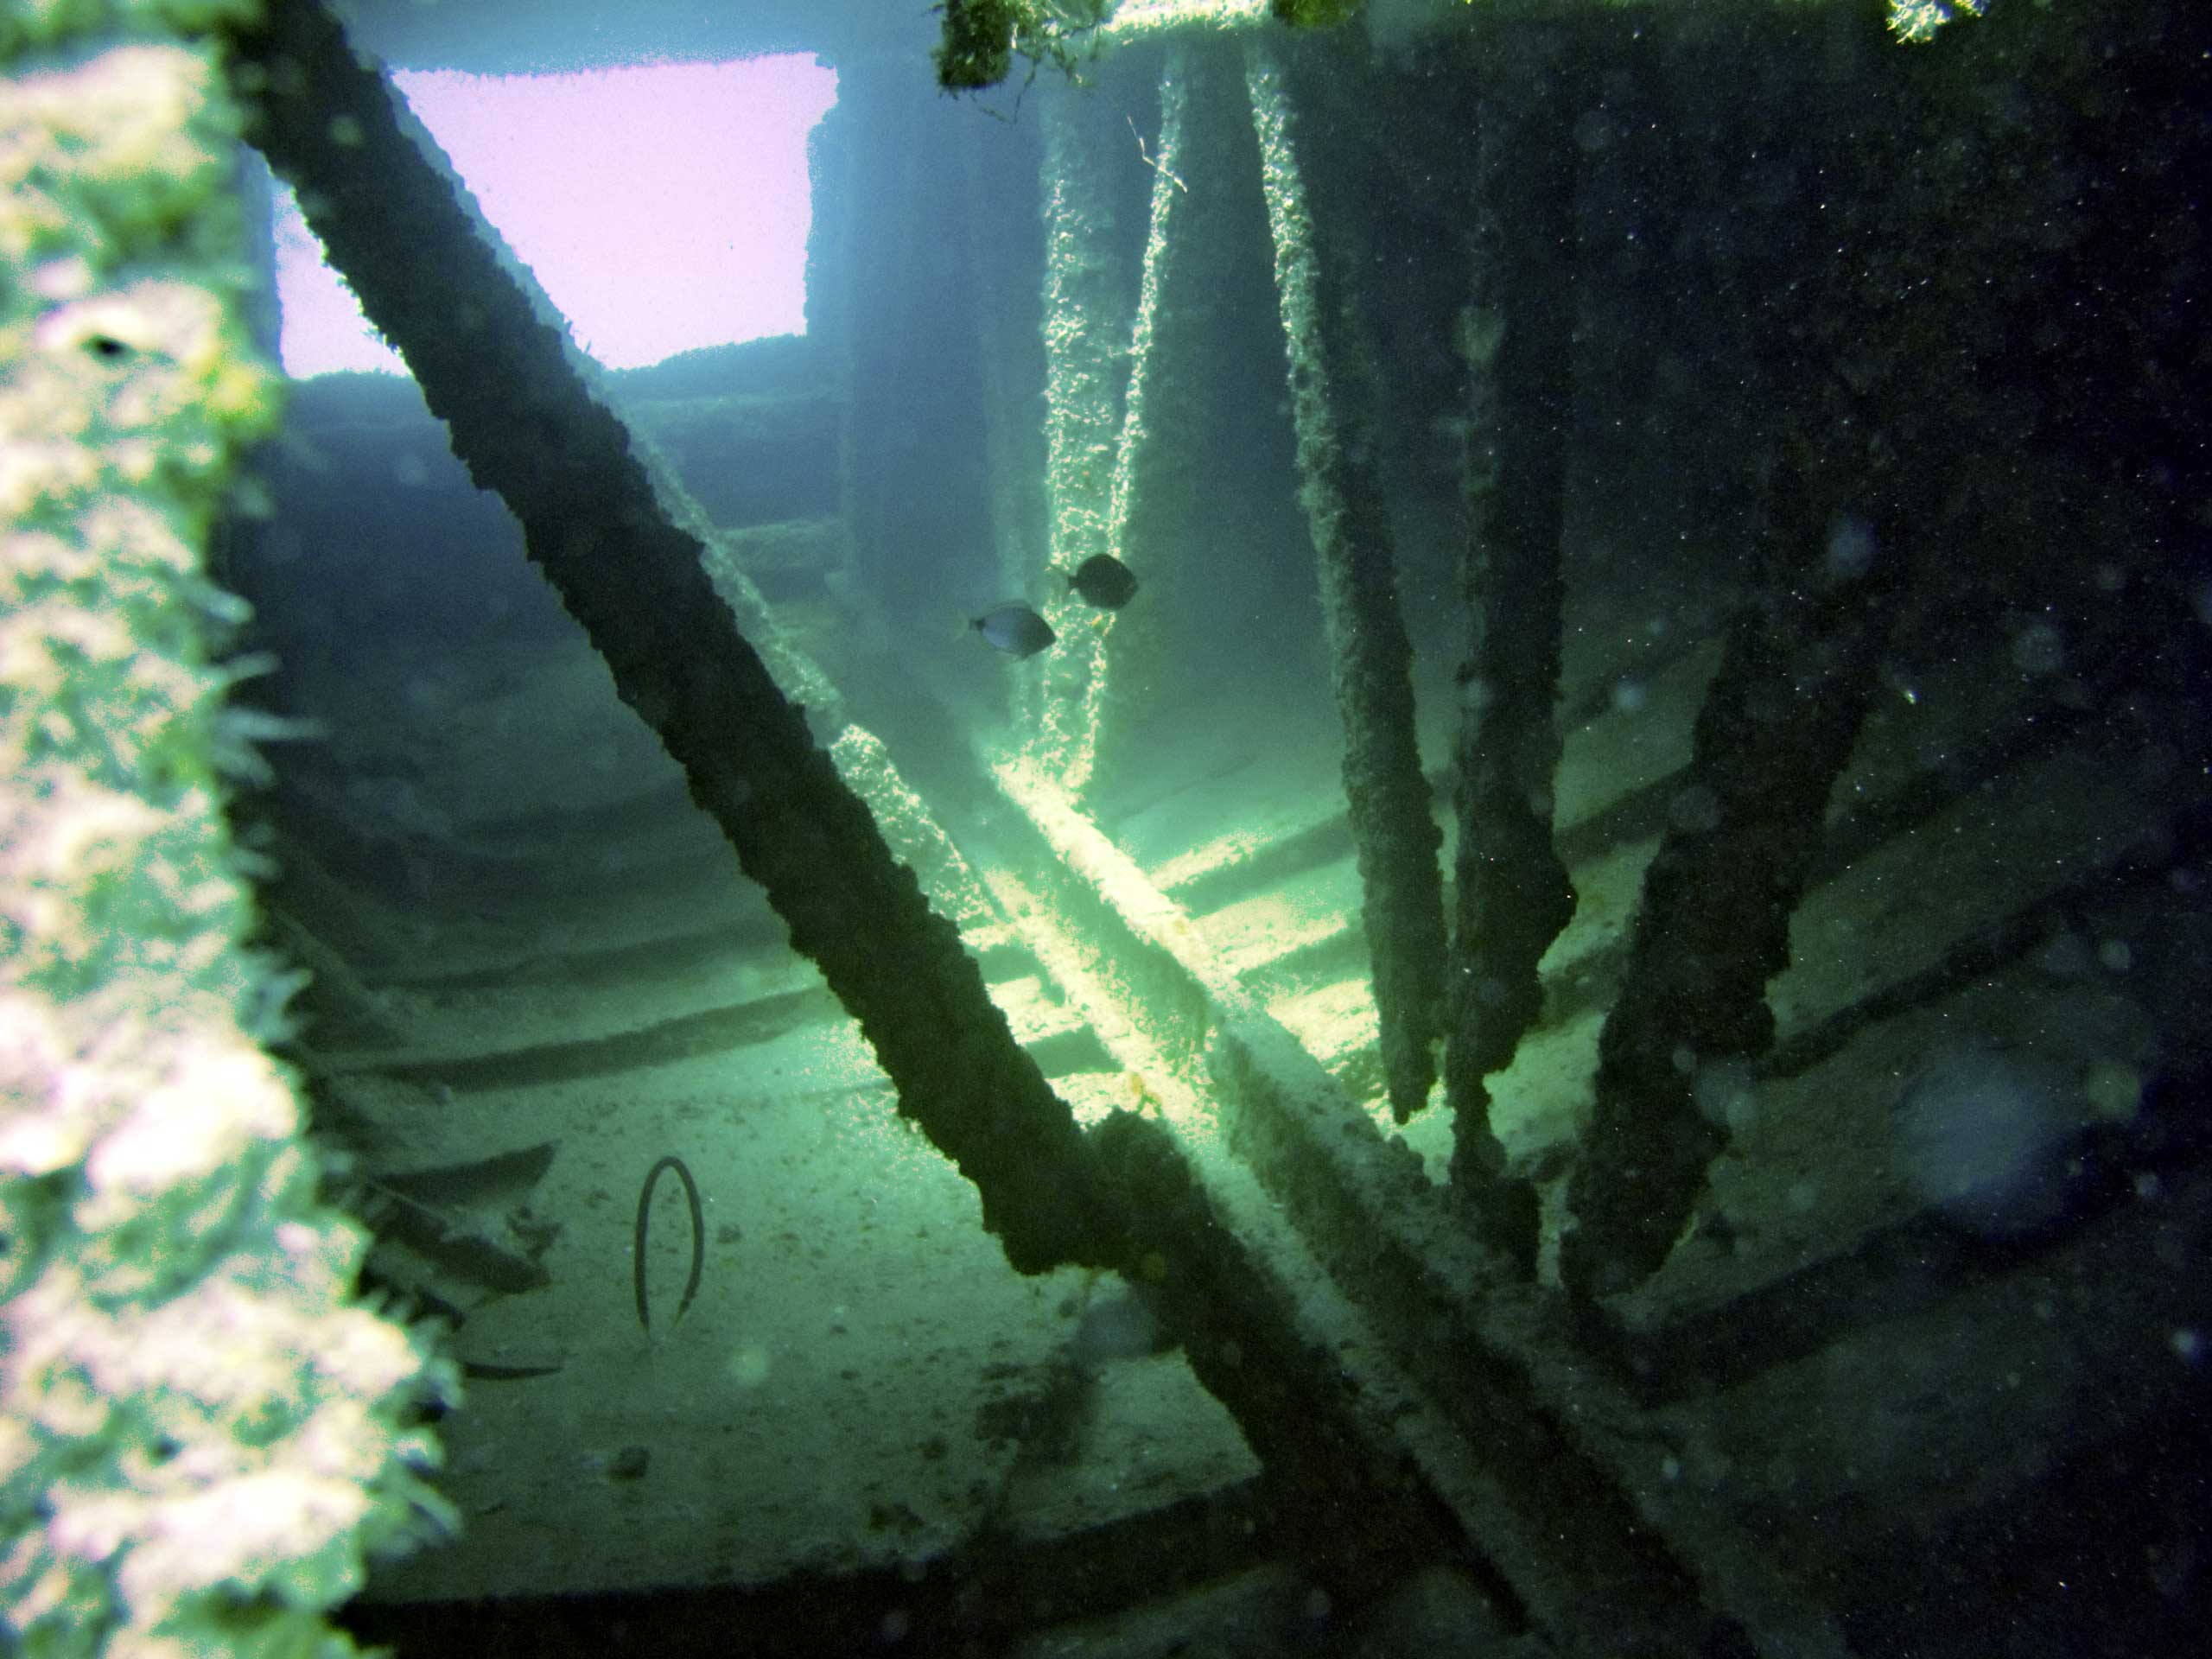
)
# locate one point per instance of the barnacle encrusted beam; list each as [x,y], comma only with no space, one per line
[203,1434]
[431,276]
[1370,660]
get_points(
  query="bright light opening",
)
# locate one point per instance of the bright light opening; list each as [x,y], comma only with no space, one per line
[662,207]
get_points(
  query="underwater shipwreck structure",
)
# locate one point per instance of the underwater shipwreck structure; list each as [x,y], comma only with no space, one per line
[1583,1029]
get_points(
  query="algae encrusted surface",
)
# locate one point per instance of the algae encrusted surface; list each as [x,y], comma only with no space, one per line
[202,1432]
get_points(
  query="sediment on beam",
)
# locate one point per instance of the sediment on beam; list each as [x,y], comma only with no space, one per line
[1132,935]
[1370,658]
[921,843]
[493,364]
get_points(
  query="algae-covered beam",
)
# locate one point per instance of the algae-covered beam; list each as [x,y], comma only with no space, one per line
[524,420]
[1515,336]
[1370,660]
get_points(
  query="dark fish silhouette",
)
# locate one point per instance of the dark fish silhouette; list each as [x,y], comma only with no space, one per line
[1103,581]
[1014,629]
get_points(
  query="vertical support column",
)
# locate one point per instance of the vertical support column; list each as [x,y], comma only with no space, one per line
[1013,458]
[1713,923]
[1152,478]
[1514,335]
[834,165]
[1396,836]
[1863,394]
[1083,403]
[889,295]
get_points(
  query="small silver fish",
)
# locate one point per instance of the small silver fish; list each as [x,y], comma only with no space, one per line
[1103,581]
[1014,629]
